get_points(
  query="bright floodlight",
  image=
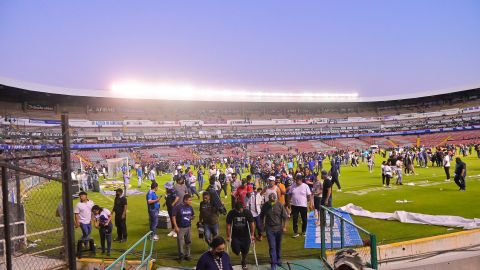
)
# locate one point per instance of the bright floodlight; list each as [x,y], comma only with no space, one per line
[188,92]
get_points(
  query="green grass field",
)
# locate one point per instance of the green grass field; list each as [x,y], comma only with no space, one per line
[433,197]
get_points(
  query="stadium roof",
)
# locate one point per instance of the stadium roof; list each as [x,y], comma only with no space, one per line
[175,93]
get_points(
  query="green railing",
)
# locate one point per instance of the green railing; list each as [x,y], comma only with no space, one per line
[368,251]
[145,258]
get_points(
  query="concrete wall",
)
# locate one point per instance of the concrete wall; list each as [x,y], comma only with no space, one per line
[451,251]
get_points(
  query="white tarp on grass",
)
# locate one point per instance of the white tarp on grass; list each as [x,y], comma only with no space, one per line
[416,218]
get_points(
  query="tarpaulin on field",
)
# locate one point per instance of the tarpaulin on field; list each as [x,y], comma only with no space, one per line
[415,218]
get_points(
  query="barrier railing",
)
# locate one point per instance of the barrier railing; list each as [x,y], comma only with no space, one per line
[144,262]
[366,249]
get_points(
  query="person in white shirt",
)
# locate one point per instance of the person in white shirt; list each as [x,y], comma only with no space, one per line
[213,170]
[82,179]
[83,215]
[228,172]
[151,175]
[103,222]
[387,169]
[192,180]
[255,204]
[399,165]
[300,200]
[446,166]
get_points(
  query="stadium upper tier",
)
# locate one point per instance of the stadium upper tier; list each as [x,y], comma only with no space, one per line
[32,104]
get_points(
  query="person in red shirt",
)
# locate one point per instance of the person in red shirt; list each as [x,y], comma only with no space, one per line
[243,192]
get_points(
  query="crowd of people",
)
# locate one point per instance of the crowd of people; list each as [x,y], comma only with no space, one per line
[265,192]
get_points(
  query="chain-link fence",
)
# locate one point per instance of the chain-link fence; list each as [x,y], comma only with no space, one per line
[35,214]
[31,198]
[343,242]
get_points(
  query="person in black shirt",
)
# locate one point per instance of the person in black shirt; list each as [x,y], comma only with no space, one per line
[215,196]
[208,218]
[460,173]
[215,258]
[120,212]
[240,231]
[327,189]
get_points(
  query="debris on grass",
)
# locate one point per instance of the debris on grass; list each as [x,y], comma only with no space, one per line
[403,201]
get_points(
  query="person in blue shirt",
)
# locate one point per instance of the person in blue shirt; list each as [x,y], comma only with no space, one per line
[215,258]
[335,173]
[183,215]
[124,168]
[311,165]
[200,179]
[153,206]
[320,164]
[139,175]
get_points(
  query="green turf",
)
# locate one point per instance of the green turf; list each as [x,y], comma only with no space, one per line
[441,199]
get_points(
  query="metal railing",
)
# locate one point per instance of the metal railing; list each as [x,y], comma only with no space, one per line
[369,241]
[145,258]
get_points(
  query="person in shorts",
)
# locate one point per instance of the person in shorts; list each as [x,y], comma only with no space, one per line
[240,231]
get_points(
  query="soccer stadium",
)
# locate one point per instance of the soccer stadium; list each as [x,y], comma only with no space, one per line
[179,177]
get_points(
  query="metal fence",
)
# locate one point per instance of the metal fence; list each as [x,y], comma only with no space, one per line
[143,246]
[32,205]
[335,247]
[36,217]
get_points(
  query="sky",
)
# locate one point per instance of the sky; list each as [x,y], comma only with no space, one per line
[373,48]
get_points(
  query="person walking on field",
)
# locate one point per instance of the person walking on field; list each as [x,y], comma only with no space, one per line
[300,199]
[183,215]
[83,215]
[209,217]
[240,231]
[460,173]
[274,217]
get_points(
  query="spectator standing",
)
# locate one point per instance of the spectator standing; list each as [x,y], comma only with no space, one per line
[120,212]
[183,215]
[169,199]
[153,206]
[193,184]
[399,165]
[327,189]
[388,173]
[126,181]
[446,166]
[139,175]
[200,179]
[180,190]
[317,191]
